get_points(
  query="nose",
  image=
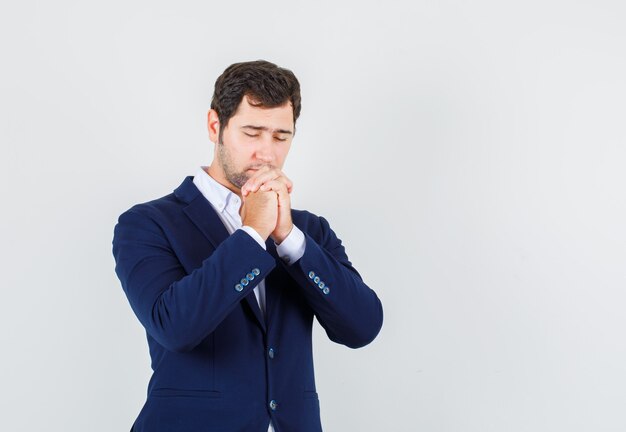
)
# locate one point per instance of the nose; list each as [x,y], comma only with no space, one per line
[265,150]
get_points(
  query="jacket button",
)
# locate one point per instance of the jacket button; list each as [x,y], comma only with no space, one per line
[321,284]
[270,353]
[273,405]
[238,288]
[311,275]
[244,282]
[326,290]
[316,279]
[249,276]
[256,271]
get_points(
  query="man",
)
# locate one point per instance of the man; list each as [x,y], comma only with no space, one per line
[226,277]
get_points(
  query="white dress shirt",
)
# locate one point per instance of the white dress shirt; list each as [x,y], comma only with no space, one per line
[227,205]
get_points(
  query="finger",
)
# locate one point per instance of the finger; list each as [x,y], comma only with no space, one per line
[288,182]
[257,179]
[244,188]
[261,178]
[279,187]
[283,179]
[254,183]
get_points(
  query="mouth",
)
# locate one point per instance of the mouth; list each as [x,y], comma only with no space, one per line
[265,165]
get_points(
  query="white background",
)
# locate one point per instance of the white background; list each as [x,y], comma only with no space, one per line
[469,154]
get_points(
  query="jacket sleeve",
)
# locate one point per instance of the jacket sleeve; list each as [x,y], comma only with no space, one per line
[348,310]
[178,309]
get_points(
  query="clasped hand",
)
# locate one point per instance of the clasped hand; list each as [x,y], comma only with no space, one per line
[266,203]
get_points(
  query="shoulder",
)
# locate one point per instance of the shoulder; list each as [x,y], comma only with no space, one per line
[156,209]
[311,223]
[163,205]
[157,216]
[166,207]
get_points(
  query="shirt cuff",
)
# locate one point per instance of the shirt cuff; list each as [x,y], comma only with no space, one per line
[255,235]
[292,247]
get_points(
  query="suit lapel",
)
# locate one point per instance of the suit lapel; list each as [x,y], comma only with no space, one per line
[206,219]
[254,307]
[203,215]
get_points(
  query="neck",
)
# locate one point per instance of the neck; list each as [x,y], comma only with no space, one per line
[218,175]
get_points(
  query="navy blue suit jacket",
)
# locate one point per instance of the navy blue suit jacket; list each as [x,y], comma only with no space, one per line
[218,364]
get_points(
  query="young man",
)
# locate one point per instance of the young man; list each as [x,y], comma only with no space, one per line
[226,277]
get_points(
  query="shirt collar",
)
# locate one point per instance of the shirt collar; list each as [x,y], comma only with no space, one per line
[217,194]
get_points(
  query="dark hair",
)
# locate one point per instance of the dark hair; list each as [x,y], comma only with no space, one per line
[264,83]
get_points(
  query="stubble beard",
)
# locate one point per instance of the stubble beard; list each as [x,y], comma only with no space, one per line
[236,178]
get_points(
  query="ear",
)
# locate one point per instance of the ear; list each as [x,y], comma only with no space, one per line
[213,124]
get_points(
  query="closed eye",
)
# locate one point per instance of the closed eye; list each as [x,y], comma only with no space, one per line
[256,135]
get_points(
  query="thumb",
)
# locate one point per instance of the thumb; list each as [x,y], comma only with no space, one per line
[283,197]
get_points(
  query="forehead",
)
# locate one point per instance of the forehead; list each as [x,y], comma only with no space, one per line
[280,117]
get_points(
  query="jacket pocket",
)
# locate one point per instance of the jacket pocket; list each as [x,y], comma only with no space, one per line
[170,392]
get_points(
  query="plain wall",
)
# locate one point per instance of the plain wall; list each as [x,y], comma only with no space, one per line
[470,155]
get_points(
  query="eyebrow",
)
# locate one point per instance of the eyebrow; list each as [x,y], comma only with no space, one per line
[264,128]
